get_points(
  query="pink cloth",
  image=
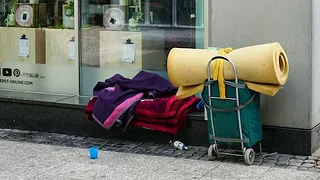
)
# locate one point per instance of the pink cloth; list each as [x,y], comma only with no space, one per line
[167,114]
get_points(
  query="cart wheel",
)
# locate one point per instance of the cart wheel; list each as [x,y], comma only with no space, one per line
[249,156]
[212,152]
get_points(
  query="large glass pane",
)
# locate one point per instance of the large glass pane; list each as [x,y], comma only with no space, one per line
[111,29]
[37,49]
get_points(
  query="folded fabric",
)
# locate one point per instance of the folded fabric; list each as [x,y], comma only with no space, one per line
[89,108]
[167,114]
[115,99]
[162,108]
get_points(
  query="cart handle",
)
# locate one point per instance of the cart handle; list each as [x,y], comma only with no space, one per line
[241,106]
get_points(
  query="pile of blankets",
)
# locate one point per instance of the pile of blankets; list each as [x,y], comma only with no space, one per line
[146,101]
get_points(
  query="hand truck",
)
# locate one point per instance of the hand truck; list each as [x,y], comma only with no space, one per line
[213,151]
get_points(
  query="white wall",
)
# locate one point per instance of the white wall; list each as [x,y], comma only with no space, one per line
[315,63]
[239,23]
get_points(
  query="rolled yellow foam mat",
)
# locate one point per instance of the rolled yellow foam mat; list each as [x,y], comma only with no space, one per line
[264,67]
[267,89]
[188,66]
[266,63]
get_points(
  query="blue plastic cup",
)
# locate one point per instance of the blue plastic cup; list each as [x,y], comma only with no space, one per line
[93,152]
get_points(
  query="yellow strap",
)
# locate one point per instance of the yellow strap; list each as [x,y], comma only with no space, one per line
[218,71]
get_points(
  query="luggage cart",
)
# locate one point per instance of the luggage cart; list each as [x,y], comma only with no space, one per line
[213,151]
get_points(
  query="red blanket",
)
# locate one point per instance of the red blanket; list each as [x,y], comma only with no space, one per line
[89,108]
[167,114]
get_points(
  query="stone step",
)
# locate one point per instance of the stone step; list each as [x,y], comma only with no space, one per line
[65,115]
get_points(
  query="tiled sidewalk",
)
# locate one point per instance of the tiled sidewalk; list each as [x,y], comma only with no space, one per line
[302,163]
[21,160]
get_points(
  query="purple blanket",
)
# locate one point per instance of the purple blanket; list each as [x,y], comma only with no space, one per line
[117,97]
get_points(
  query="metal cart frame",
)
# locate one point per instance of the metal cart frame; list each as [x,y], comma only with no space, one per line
[213,150]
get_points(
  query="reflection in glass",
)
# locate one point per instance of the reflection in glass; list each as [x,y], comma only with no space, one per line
[153,28]
[36,42]
[162,24]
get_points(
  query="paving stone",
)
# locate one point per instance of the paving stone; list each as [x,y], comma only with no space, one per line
[281,165]
[258,160]
[274,157]
[95,141]
[133,145]
[130,146]
[176,153]
[194,157]
[309,161]
[40,137]
[154,147]
[73,141]
[14,138]
[56,139]
[286,155]
[257,163]
[85,143]
[137,150]
[302,169]
[292,167]
[296,164]
[197,156]
[189,153]
[284,159]
[9,130]
[301,157]
[200,152]
[296,161]
[158,150]
[126,148]
[268,165]
[263,153]
[287,158]
[70,143]
[221,157]
[313,157]
[237,158]
[113,149]
[17,130]
[307,165]
[167,152]
[230,159]
[240,160]
[259,157]
[171,148]
[122,144]
[3,134]
[283,162]
[109,142]
[61,136]
[120,149]
[270,161]
[314,170]
[205,158]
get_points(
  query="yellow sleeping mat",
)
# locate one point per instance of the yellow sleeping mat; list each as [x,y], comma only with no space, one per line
[263,68]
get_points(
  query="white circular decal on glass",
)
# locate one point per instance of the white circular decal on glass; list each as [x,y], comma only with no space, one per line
[24,15]
[113,19]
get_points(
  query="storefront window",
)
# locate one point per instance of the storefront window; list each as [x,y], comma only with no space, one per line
[39,38]
[37,49]
[126,36]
